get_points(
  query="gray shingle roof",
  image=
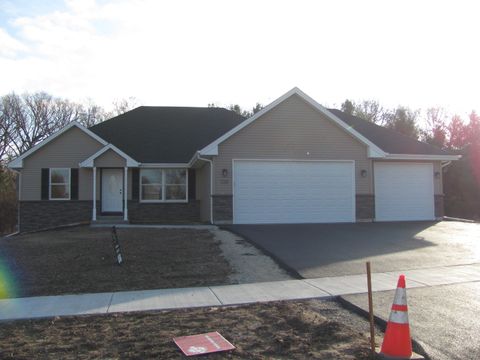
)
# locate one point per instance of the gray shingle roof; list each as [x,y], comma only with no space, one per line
[388,140]
[152,134]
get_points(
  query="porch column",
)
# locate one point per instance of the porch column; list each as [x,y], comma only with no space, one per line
[94,210]
[125,193]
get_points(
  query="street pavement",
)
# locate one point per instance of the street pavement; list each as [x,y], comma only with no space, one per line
[444,319]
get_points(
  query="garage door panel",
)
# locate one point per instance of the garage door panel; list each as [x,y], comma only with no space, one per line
[293,192]
[404,191]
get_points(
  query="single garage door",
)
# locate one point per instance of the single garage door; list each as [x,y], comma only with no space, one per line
[268,192]
[404,191]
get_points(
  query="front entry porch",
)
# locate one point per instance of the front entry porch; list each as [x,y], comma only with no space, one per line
[110,183]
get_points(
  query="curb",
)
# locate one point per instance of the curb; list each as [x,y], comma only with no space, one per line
[381,323]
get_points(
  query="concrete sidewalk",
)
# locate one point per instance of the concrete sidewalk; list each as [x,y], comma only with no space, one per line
[163,299]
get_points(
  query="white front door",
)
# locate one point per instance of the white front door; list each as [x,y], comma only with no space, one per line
[293,192]
[112,190]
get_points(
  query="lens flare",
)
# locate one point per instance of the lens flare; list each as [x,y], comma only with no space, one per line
[8,287]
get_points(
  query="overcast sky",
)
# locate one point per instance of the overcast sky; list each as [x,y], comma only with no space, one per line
[191,53]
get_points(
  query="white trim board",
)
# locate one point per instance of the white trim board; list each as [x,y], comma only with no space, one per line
[90,161]
[18,162]
[373,150]
[422,157]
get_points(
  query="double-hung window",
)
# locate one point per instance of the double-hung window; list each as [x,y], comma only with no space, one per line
[163,185]
[59,184]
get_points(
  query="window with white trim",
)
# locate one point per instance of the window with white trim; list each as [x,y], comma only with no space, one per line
[163,185]
[59,184]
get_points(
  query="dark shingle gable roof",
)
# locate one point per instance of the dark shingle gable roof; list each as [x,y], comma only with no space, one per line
[152,134]
[388,140]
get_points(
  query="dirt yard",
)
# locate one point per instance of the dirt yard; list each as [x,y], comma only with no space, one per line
[81,260]
[288,330]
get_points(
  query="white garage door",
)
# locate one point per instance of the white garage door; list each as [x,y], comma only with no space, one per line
[404,191]
[267,192]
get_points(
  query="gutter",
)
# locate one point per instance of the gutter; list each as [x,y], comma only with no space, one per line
[211,184]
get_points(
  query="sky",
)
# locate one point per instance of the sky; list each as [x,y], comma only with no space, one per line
[191,53]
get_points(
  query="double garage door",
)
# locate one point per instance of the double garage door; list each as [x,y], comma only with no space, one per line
[268,192]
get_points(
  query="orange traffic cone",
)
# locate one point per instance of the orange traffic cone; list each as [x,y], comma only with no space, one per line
[397,343]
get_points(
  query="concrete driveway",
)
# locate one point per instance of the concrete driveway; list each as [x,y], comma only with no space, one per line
[320,250]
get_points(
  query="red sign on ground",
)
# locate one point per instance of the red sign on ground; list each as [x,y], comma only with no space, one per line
[203,344]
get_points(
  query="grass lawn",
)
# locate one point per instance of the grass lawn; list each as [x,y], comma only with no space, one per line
[282,330]
[81,260]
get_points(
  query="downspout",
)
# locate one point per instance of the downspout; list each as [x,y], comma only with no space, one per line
[19,198]
[445,164]
[211,185]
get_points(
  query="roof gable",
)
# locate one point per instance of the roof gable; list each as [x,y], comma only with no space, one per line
[381,142]
[17,163]
[373,150]
[90,162]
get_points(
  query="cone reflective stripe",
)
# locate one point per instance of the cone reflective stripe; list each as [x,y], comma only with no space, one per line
[397,342]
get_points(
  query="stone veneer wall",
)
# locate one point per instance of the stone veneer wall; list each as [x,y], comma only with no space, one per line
[439,206]
[222,209]
[365,207]
[164,212]
[38,215]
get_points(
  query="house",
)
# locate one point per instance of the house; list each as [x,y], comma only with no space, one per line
[292,162]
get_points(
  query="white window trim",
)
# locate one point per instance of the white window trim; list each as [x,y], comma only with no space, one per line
[69,184]
[163,187]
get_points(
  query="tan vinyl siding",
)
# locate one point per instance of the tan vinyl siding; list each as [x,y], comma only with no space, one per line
[293,130]
[202,176]
[85,184]
[110,159]
[67,150]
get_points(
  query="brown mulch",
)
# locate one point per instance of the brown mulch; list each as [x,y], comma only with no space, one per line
[282,330]
[81,260]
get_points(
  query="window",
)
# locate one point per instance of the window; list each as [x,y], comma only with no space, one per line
[59,184]
[163,185]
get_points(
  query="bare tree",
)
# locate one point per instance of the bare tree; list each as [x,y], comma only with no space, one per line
[372,111]
[121,106]
[33,118]
[90,114]
[6,128]
[245,113]
[436,128]
[369,110]
[404,120]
